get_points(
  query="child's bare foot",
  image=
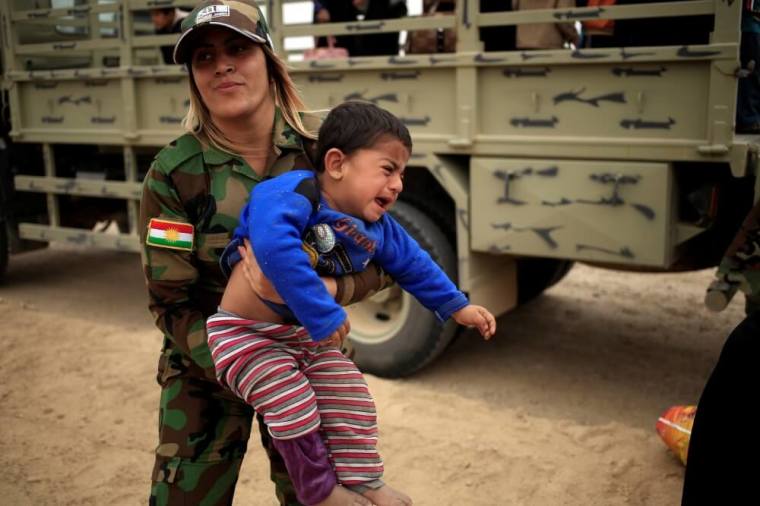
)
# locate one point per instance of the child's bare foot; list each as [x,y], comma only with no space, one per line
[341,496]
[387,496]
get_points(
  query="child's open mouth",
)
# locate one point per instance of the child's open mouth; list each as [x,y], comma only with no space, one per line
[383,202]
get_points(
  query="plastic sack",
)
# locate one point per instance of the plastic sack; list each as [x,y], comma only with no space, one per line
[674,427]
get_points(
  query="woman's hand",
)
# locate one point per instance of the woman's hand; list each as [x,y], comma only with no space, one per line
[256,279]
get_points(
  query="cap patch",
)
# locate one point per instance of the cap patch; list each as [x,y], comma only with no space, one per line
[211,12]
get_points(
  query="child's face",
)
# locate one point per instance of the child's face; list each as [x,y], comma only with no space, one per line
[370,179]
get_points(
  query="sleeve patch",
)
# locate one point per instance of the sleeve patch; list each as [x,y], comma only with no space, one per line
[170,234]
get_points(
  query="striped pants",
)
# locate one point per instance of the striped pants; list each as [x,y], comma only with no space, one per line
[299,388]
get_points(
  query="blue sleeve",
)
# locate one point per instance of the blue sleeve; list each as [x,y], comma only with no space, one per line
[416,272]
[277,218]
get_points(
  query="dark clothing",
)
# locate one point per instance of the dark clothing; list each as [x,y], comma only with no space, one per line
[343,11]
[748,97]
[167,52]
[497,38]
[722,463]
[678,31]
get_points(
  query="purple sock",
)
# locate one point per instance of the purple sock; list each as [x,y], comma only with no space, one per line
[308,466]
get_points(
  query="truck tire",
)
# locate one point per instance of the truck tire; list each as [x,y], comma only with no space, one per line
[534,275]
[393,335]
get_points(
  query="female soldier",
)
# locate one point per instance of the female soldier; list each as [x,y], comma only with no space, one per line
[245,122]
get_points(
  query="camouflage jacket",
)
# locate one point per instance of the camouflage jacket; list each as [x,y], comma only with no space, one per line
[205,188]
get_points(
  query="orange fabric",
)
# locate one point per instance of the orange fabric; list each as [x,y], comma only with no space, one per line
[599,25]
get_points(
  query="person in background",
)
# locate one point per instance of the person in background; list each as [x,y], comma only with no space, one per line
[748,98]
[167,20]
[433,40]
[545,35]
[662,31]
[497,38]
[246,122]
[598,32]
[721,466]
[347,11]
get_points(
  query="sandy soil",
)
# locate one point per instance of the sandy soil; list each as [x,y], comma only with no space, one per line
[558,409]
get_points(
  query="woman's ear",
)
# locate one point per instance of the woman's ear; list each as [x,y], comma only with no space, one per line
[334,163]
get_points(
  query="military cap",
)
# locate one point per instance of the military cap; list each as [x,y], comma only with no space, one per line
[242,16]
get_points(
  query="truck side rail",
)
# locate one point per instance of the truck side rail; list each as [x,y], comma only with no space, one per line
[133,105]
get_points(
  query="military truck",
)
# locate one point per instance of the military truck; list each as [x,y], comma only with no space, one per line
[524,161]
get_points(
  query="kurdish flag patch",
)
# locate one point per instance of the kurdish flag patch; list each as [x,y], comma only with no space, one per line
[170,234]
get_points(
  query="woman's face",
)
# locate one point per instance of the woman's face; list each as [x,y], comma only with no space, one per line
[230,72]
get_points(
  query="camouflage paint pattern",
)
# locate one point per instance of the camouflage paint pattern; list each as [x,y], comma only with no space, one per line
[203,428]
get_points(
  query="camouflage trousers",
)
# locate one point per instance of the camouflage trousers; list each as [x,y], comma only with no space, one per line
[203,435]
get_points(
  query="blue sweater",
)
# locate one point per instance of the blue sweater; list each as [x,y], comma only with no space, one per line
[297,237]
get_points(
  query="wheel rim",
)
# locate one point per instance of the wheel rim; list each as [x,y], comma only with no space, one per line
[379,318]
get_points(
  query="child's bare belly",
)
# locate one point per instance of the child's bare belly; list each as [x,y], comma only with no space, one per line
[241,300]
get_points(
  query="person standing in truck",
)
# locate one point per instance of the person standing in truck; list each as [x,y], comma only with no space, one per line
[167,20]
[351,11]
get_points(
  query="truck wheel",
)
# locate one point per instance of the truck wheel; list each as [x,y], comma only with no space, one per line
[393,334]
[534,275]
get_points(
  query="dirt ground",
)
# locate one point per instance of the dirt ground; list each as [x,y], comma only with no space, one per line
[558,409]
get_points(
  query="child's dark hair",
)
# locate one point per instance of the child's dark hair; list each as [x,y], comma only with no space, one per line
[356,125]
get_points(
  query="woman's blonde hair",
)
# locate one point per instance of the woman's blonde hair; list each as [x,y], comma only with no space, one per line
[286,96]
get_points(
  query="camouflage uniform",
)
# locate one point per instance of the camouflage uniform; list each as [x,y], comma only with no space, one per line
[741,263]
[203,428]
